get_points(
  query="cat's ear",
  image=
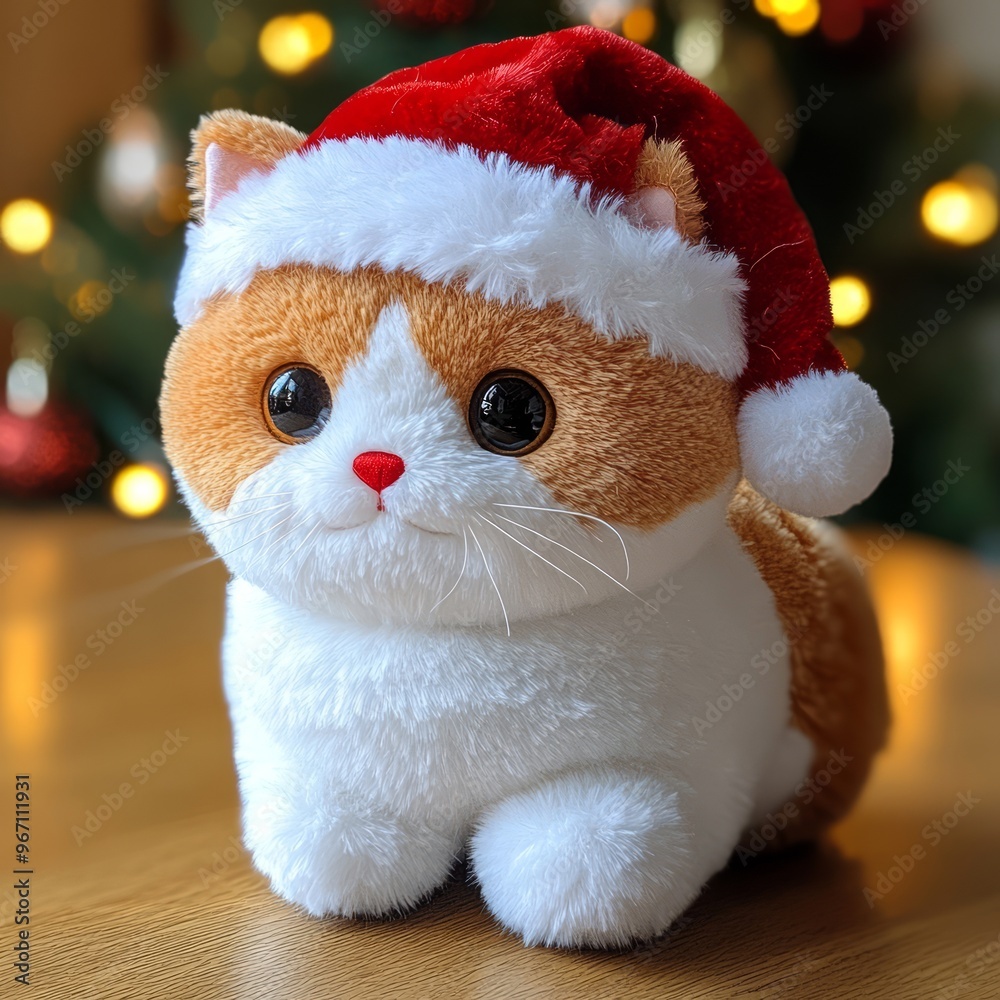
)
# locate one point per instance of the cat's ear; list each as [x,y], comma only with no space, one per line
[228,145]
[666,192]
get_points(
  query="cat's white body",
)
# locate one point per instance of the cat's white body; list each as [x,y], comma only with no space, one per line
[368,755]
[468,382]
[474,666]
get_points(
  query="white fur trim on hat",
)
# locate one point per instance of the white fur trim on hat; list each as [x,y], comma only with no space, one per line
[510,232]
[817,444]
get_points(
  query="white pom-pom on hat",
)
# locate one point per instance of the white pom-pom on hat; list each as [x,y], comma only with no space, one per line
[817,444]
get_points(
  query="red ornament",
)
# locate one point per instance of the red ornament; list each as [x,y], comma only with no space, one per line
[44,454]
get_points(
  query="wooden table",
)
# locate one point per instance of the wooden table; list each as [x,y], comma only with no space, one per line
[140,887]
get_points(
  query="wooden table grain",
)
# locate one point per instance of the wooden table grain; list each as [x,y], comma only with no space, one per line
[111,702]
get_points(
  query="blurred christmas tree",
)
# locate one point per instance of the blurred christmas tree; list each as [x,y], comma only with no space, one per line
[891,151]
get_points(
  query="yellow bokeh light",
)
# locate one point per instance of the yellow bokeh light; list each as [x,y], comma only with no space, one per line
[285,45]
[789,8]
[289,43]
[90,300]
[962,211]
[765,7]
[639,25]
[140,490]
[850,299]
[798,21]
[26,225]
[320,33]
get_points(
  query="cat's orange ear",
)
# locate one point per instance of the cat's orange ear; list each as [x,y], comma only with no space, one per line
[666,192]
[228,145]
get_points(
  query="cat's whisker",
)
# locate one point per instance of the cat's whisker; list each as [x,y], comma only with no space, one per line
[273,527]
[219,556]
[489,572]
[534,552]
[578,555]
[226,522]
[298,548]
[271,545]
[461,572]
[262,496]
[577,513]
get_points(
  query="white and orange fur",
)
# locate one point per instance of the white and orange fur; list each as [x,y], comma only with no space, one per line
[510,657]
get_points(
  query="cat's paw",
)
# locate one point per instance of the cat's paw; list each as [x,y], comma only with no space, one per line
[348,857]
[589,859]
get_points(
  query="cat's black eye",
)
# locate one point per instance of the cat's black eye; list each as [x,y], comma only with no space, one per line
[296,403]
[511,412]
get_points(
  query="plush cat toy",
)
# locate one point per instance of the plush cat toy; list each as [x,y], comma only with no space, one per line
[496,394]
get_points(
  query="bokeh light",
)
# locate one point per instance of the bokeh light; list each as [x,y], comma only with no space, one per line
[696,49]
[850,300]
[320,32]
[27,387]
[639,25]
[789,8]
[90,300]
[962,210]
[291,42]
[26,225]
[140,490]
[799,17]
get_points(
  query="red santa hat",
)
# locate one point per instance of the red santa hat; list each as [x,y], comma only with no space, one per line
[511,168]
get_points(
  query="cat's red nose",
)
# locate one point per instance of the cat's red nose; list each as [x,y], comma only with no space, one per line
[378,469]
